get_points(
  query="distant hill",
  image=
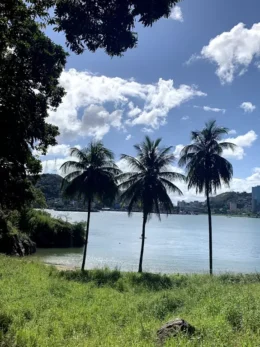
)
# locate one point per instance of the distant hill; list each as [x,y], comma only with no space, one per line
[50,185]
[223,200]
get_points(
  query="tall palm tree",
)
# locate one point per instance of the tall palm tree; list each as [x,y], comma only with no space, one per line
[147,184]
[91,176]
[205,166]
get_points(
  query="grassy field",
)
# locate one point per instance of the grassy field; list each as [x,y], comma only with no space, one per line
[41,307]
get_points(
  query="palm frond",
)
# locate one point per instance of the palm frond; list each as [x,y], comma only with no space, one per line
[206,168]
[171,187]
[172,176]
[133,163]
[228,145]
[72,165]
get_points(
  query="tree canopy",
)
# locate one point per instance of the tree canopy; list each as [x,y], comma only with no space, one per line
[206,168]
[149,182]
[106,24]
[30,66]
[91,175]
[151,178]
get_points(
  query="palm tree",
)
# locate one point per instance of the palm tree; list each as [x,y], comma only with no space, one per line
[91,176]
[205,166]
[147,184]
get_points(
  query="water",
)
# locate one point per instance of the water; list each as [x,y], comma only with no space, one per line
[176,244]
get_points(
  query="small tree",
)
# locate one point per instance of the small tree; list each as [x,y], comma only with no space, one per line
[92,176]
[148,183]
[205,166]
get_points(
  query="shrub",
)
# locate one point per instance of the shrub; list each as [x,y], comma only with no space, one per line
[47,231]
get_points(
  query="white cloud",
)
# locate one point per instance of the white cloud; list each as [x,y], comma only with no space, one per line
[185,118]
[248,107]
[232,51]
[96,94]
[59,150]
[147,130]
[176,14]
[128,137]
[134,110]
[178,150]
[242,142]
[97,122]
[214,109]
[232,132]
[211,109]
[160,99]
[53,165]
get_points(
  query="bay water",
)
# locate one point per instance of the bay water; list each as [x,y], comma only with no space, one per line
[176,244]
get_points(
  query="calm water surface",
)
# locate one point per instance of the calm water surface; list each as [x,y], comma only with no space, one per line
[176,244]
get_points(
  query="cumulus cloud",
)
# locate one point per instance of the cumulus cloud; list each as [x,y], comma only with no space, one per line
[58,150]
[95,95]
[178,150]
[211,109]
[96,121]
[176,14]
[232,51]
[147,130]
[128,137]
[242,142]
[232,132]
[248,107]
[134,110]
[214,109]
[53,165]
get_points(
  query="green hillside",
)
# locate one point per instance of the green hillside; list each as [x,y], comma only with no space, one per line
[223,200]
[50,185]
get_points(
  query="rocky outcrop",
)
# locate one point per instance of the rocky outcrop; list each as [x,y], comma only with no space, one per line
[173,328]
[17,244]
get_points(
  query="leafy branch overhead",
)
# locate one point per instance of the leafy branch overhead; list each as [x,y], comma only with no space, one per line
[105,24]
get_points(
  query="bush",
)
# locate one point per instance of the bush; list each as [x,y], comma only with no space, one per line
[48,232]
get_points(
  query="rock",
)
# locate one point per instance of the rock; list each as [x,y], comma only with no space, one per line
[173,328]
[20,245]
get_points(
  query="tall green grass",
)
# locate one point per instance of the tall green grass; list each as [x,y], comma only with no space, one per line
[41,307]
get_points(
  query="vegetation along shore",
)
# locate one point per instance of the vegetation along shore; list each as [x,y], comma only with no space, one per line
[43,307]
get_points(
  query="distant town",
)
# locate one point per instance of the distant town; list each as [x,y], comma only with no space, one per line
[229,203]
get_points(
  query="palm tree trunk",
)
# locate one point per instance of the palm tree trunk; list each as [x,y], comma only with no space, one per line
[86,239]
[210,236]
[142,247]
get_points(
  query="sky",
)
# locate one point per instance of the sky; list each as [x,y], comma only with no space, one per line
[200,64]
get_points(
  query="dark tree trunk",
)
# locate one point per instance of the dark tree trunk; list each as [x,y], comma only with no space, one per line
[142,247]
[86,239]
[210,236]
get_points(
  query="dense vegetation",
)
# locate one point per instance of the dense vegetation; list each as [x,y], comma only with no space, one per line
[21,232]
[30,67]
[41,307]
[49,232]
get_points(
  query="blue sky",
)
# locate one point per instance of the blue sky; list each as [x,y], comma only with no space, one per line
[201,64]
